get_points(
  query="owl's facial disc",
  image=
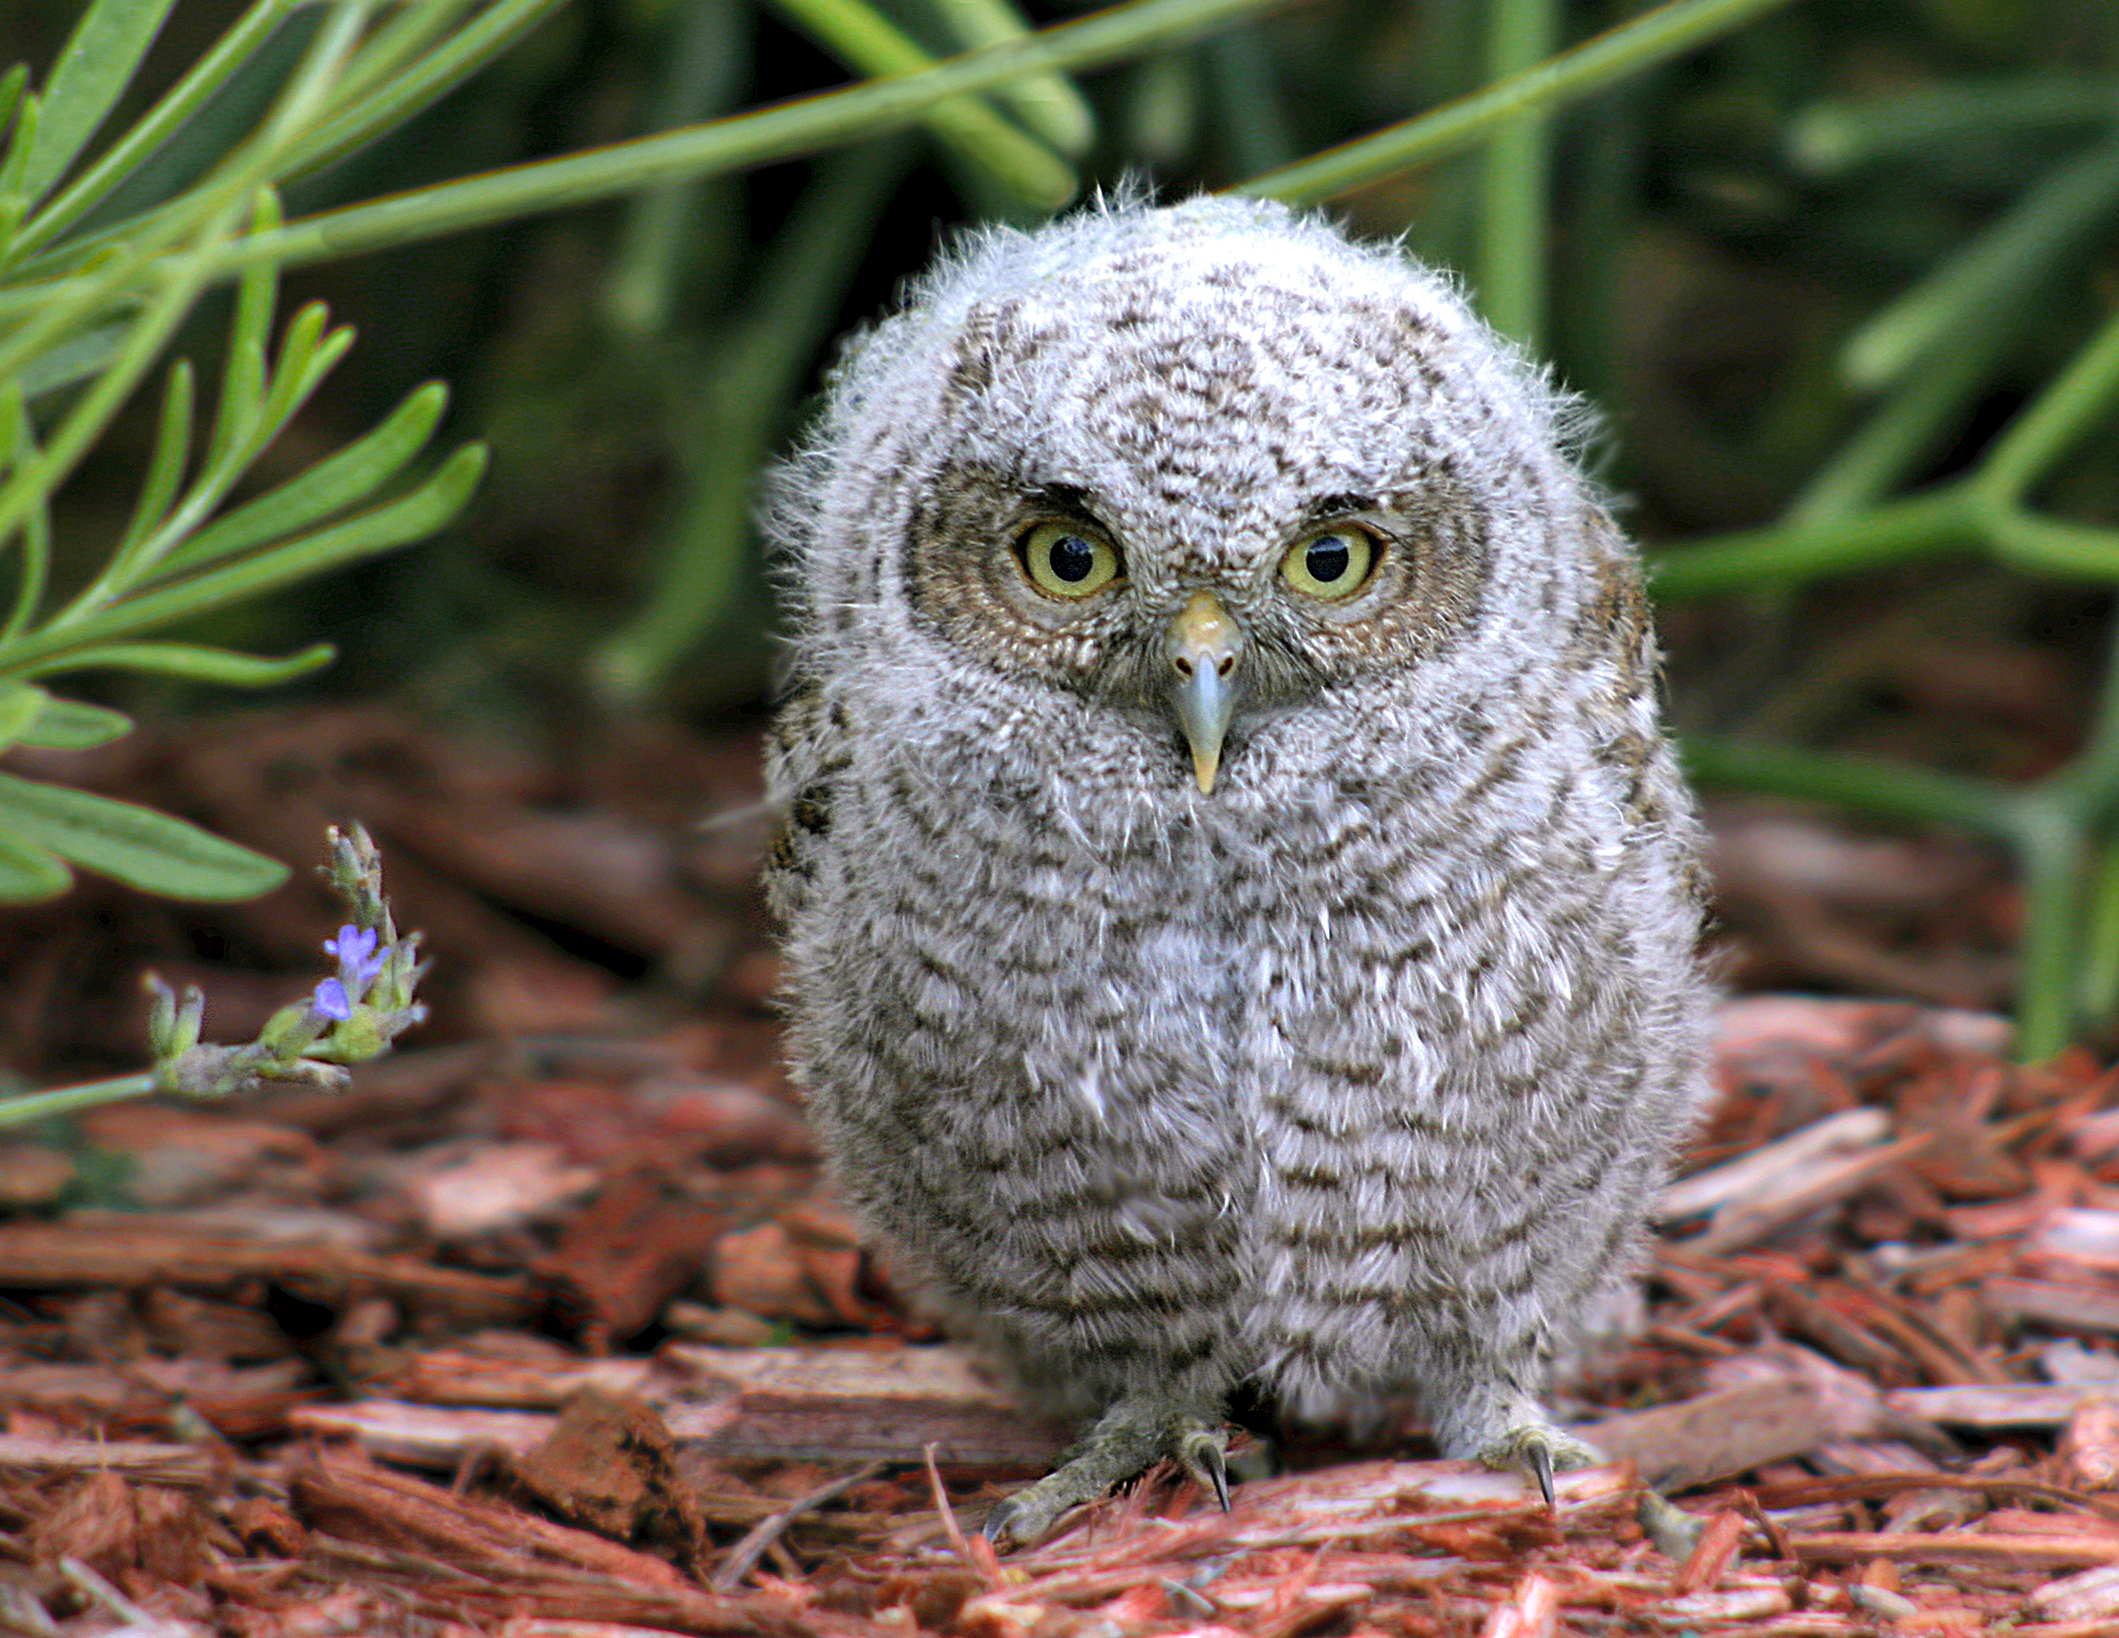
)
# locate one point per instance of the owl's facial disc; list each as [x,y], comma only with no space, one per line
[1203,646]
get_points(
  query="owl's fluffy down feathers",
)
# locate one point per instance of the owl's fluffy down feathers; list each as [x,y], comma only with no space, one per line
[1354,1074]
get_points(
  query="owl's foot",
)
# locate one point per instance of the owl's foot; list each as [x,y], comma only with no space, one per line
[1538,1450]
[1129,1439]
[1204,1454]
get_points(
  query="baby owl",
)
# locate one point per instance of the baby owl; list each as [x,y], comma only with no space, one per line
[1240,904]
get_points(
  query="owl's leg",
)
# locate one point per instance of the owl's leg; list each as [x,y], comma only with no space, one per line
[1128,1439]
[1488,1414]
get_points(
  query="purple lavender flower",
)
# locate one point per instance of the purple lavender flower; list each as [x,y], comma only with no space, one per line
[331,1000]
[359,961]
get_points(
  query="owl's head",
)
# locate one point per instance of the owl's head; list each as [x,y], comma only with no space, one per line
[1203,466]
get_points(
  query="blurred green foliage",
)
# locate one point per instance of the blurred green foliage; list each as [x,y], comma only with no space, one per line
[1840,278]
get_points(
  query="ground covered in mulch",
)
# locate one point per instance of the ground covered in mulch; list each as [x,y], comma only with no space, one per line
[549,1327]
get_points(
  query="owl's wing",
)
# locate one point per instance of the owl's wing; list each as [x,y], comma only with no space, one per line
[806,753]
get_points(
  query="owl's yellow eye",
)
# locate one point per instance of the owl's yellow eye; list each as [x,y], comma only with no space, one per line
[1068,559]
[1334,562]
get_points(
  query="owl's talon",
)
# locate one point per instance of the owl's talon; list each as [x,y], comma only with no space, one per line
[1203,1453]
[1537,1452]
[1015,1521]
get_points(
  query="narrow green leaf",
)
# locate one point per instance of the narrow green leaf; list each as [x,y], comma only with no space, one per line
[400,95]
[29,873]
[151,851]
[334,483]
[74,359]
[16,166]
[2008,261]
[94,68]
[410,518]
[74,725]
[165,470]
[12,84]
[191,662]
[1830,139]
[306,357]
[298,351]
[123,157]
[21,703]
[243,379]
[35,567]
[403,39]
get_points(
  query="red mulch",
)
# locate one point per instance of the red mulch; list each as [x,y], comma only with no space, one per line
[548,1328]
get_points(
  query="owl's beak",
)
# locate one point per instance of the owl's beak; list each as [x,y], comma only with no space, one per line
[1202,646]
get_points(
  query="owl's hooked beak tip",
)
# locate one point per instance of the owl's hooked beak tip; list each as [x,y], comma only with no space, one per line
[1202,647]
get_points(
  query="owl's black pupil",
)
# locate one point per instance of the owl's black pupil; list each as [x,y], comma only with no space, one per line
[1072,558]
[1327,559]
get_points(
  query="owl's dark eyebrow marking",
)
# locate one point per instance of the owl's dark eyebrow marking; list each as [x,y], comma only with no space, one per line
[1062,497]
[1337,506]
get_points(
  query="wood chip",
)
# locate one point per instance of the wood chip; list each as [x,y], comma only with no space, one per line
[804,1404]
[425,1436]
[47,1255]
[2082,1597]
[1794,1194]
[150,1463]
[1851,1129]
[1954,1547]
[2073,1307]
[1720,1435]
[2016,1405]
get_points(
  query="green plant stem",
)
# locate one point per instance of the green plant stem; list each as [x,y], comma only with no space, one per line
[2098,989]
[357,120]
[1666,32]
[2041,433]
[2004,266]
[2069,551]
[2090,784]
[203,216]
[385,52]
[1906,426]
[783,132]
[1047,103]
[65,1100]
[754,375]
[656,243]
[1858,782]
[1789,555]
[2049,842]
[36,533]
[27,488]
[864,39]
[408,518]
[1833,138]
[219,206]
[1515,184]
